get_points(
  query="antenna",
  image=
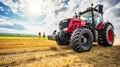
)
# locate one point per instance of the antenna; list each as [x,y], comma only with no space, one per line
[91,3]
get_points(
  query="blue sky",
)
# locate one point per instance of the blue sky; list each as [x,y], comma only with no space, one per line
[32,16]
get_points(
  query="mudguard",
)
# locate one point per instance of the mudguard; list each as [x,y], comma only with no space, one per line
[106,24]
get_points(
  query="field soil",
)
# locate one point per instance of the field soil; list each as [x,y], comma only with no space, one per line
[34,52]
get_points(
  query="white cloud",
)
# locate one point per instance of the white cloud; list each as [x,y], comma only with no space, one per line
[5,30]
[12,5]
[1,9]
[33,9]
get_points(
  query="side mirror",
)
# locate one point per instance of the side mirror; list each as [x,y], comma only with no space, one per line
[100,8]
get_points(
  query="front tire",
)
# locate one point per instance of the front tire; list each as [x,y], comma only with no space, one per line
[81,39]
[60,40]
[106,36]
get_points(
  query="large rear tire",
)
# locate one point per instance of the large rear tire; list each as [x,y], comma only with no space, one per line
[106,36]
[60,39]
[81,39]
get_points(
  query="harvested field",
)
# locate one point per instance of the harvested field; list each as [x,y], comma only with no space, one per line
[34,52]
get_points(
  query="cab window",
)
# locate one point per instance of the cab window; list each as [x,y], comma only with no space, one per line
[98,18]
[87,17]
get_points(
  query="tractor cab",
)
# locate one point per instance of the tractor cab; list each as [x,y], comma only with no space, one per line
[92,16]
[88,18]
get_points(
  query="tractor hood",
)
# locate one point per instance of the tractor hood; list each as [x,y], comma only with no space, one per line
[70,24]
[75,23]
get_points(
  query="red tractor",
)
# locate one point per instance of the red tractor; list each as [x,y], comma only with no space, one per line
[83,29]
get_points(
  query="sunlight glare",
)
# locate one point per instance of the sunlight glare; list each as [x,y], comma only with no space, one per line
[34,7]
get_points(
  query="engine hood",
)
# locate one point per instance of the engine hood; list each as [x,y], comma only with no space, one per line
[71,24]
[75,23]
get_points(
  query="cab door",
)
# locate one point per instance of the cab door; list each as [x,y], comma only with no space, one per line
[98,18]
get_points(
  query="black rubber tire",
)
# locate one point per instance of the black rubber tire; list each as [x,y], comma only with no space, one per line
[103,36]
[76,39]
[60,40]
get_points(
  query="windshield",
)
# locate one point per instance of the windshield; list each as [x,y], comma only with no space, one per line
[87,17]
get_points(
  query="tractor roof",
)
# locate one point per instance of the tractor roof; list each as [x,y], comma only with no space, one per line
[89,9]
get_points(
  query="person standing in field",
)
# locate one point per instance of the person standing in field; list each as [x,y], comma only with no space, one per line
[39,34]
[44,35]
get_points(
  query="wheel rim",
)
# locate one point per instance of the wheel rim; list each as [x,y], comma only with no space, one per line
[85,39]
[110,35]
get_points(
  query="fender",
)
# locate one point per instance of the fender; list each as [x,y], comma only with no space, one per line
[106,24]
[100,26]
